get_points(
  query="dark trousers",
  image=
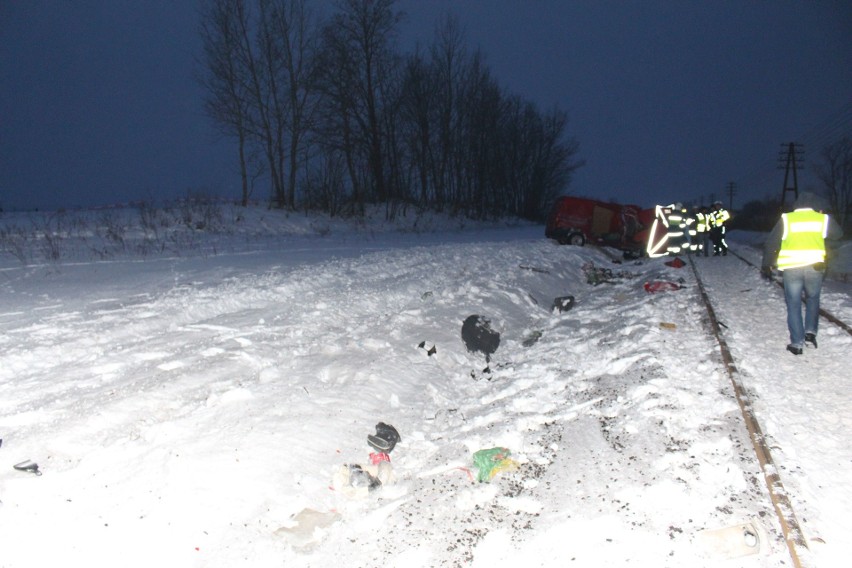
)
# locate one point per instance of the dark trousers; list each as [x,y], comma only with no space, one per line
[704,242]
[719,244]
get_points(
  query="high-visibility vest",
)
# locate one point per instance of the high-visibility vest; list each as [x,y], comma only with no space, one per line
[719,217]
[686,221]
[803,240]
[702,224]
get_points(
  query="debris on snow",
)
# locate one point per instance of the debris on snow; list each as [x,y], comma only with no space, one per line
[492,461]
[478,336]
[562,304]
[357,481]
[430,351]
[29,466]
[735,541]
[308,527]
[599,275]
[532,338]
[385,438]
[655,286]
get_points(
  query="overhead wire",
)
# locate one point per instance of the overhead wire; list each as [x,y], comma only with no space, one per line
[830,129]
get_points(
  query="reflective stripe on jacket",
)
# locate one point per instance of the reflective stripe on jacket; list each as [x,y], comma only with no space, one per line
[803,241]
[718,217]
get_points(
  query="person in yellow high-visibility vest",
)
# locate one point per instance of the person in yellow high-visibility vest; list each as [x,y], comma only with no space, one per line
[718,217]
[702,228]
[797,247]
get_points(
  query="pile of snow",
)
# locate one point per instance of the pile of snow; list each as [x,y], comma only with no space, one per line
[197,408]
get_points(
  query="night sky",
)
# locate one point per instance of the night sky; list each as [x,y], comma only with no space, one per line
[670,100]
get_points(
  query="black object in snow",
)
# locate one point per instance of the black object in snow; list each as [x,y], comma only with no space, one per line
[563,303]
[29,466]
[432,350]
[360,478]
[384,439]
[479,337]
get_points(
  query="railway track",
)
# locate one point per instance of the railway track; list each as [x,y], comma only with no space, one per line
[791,529]
[822,312]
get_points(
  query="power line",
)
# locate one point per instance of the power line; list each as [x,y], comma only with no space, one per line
[830,129]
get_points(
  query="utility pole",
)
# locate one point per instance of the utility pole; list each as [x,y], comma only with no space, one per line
[794,155]
[732,190]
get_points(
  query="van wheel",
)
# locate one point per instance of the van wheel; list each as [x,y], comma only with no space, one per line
[577,239]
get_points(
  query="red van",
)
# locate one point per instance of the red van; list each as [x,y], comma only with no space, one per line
[577,221]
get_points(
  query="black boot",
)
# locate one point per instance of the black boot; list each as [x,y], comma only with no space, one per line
[811,338]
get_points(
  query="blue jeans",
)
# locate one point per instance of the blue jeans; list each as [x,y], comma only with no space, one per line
[797,280]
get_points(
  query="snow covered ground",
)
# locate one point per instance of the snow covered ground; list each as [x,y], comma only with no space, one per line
[195,409]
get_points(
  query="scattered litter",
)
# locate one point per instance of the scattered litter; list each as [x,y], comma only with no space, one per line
[661,286]
[468,472]
[431,351]
[484,373]
[598,275]
[479,337]
[676,262]
[358,481]
[379,457]
[384,439]
[734,541]
[492,461]
[28,466]
[562,304]
[532,338]
[534,269]
[667,325]
[307,528]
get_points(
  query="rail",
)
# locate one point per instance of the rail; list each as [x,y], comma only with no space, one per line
[824,313]
[793,535]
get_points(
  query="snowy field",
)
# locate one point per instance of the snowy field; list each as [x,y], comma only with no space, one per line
[193,398]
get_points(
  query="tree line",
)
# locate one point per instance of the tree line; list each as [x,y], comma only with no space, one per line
[329,114]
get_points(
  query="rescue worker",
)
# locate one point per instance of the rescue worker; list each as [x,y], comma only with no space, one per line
[702,229]
[797,247]
[689,231]
[658,234]
[675,228]
[718,217]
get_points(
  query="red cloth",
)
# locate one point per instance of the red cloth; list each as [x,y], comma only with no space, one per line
[661,286]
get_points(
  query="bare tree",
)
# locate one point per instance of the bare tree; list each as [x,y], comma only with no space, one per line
[329,105]
[835,172]
[357,60]
[299,35]
[450,63]
[226,101]
[230,30]
[418,100]
[258,56]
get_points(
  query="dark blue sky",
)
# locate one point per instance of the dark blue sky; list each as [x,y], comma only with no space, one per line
[670,100]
